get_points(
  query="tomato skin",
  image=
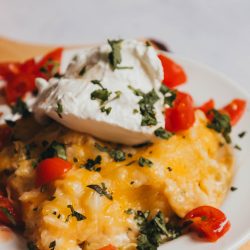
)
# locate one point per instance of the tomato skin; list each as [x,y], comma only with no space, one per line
[209,222]
[108,247]
[51,169]
[4,220]
[235,109]
[182,115]
[174,75]
[207,106]
[48,62]
[20,77]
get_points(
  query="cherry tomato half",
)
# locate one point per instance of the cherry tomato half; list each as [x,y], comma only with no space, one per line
[181,116]
[8,215]
[51,169]
[209,222]
[108,247]
[174,75]
[235,110]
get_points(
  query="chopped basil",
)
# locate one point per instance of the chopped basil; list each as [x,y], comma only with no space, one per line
[145,162]
[97,82]
[91,164]
[242,134]
[20,108]
[146,105]
[10,123]
[100,94]
[59,108]
[221,124]
[82,71]
[155,231]
[237,147]
[101,148]
[106,110]
[101,190]
[116,154]
[135,111]
[233,189]
[31,246]
[114,56]
[130,163]
[76,214]
[162,133]
[169,95]
[169,169]
[129,211]
[52,245]
[8,214]
[55,149]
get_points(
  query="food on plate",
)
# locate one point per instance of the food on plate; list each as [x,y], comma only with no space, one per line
[109,154]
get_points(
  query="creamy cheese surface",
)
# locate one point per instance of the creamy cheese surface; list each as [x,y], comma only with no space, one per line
[69,100]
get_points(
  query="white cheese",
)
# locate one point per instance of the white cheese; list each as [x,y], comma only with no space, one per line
[81,113]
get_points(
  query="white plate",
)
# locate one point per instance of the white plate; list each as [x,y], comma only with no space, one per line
[204,83]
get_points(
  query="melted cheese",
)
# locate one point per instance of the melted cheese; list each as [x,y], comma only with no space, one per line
[190,169]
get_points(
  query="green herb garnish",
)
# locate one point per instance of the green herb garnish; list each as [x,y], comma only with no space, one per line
[114,56]
[20,108]
[146,105]
[155,231]
[101,190]
[221,124]
[116,154]
[59,108]
[9,215]
[82,71]
[145,162]
[55,149]
[237,147]
[76,214]
[100,94]
[169,95]
[233,188]
[97,82]
[242,134]
[106,110]
[52,245]
[91,164]
[31,246]
[162,133]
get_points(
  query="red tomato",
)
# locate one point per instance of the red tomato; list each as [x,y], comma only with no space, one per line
[8,215]
[20,78]
[235,110]
[181,115]
[209,222]
[174,74]
[49,65]
[108,247]
[51,169]
[5,135]
[207,106]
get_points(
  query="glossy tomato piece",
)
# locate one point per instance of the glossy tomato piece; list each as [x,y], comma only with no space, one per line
[207,106]
[51,169]
[209,222]
[174,75]
[235,110]
[182,115]
[8,215]
[8,70]
[49,65]
[108,247]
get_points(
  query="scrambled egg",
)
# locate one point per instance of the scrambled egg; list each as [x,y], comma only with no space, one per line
[190,169]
